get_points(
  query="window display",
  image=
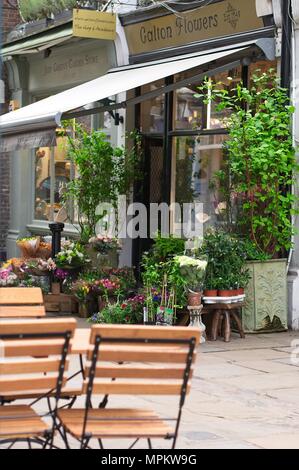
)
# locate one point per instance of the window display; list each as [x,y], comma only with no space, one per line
[52,173]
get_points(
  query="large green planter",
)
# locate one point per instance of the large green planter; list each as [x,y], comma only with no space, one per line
[266,297]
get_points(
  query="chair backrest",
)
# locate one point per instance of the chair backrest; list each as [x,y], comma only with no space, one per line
[33,355]
[142,360]
[21,302]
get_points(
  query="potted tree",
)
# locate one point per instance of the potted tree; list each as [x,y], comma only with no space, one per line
[104,173]
[255,183]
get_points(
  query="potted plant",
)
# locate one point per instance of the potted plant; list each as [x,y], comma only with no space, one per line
[163,282]
[193,272]
[129,311]
[72,257]
[255,183]
[106,250]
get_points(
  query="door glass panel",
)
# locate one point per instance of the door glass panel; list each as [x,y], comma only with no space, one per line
[188,111]
[152,111]
[195,162]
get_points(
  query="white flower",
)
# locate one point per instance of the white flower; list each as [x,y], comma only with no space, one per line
[188,261]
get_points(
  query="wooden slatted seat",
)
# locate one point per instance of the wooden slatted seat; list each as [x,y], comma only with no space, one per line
[26,369]
[121,423]
[21,302]
[21,421]
[155,361]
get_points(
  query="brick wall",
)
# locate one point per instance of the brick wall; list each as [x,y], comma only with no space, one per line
[10,18]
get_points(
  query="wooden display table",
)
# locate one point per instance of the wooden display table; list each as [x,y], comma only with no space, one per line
[224,312]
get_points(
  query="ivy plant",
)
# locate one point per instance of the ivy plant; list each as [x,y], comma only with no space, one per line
[259,161]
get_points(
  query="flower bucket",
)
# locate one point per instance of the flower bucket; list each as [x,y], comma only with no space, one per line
[194,299]
[55,288]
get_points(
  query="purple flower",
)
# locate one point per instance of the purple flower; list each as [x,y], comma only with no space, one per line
[61,274]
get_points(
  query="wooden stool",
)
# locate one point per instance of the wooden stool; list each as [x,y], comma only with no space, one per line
[222,314]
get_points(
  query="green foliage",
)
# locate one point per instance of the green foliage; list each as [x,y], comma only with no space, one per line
[161,273]
[31,10]
[119,313]
[226,260]
[259,162]
[104,173]
[167,247]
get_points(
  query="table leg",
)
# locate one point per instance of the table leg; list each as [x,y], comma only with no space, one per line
[239,323]
[226,326]
[215,323]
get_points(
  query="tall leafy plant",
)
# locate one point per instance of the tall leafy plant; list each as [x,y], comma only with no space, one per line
[104,173]
[259,161]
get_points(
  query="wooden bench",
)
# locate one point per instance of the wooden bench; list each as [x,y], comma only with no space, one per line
[154,361]
[21,302]
[34,358]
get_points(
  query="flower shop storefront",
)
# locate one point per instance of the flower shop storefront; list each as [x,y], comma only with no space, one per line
[183,99]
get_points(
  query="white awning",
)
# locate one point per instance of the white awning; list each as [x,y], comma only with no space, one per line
[47,113]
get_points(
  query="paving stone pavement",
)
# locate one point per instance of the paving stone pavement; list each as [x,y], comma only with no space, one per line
[245,395]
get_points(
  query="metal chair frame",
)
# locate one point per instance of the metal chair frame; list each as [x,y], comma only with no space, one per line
[48,438]
[86,437]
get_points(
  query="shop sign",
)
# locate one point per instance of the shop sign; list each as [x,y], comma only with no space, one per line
[34,139]
[94,24]
[219,19]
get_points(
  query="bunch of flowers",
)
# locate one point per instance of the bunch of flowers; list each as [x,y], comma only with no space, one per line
[80,289]
[61,274]
[38,266]
[124,275]
[72,255]
[7,277]
[104,245]
[193,271]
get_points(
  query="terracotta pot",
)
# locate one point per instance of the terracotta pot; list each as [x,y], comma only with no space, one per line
[235,291]
[241,291]
[194,299]
[55,288]
[225,292]
[210,292]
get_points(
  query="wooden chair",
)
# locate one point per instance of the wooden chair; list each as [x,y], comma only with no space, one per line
[21,302]
[33,358]
[155,361]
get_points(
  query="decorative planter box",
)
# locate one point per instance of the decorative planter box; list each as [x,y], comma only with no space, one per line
[266,297]
[60,303]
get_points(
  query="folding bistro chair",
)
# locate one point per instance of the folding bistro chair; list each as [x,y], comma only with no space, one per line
[33,359]
[156,361]
[21,302]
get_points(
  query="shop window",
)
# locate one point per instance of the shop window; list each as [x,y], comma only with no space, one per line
[263,66]
[152,110]
[195,161]
[188,111]
[52,173]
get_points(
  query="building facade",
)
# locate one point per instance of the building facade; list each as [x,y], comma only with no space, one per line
[9,18]
[182,136]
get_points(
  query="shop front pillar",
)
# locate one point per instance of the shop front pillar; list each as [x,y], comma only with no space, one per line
[293,274]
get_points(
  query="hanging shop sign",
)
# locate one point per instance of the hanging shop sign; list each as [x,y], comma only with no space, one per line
[216,20]
[94,24]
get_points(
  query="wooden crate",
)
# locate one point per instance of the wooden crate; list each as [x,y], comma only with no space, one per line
[60,303]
